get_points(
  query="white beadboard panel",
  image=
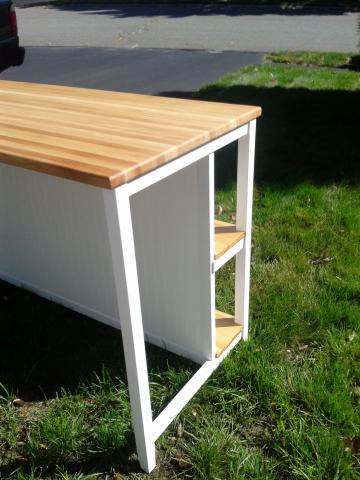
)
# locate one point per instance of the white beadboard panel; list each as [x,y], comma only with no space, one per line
[101,317]
[172,241]
[54,239]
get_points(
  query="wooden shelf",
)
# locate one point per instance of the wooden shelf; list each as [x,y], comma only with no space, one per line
[226,236]
[228,242]
[226,331]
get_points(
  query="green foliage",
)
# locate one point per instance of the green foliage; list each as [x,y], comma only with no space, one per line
[58,433]
[280,76]
[220,453]
[319,59]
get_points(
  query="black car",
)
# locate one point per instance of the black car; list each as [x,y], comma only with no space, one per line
[10,52]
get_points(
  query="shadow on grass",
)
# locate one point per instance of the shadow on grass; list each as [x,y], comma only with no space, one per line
[45,347]
[355,61]
[122,460]
[303,135]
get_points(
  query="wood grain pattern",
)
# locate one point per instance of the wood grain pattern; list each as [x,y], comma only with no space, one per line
[226,236]
[104,138]
[226,331]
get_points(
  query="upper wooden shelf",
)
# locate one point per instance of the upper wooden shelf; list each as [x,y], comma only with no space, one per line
[104,138]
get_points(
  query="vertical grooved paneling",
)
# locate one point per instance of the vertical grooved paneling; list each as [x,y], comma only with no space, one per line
[54,240]
[171,231]
[53,237]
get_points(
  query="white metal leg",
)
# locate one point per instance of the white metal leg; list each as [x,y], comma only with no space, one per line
[119,222]
[118,215]
[245,175]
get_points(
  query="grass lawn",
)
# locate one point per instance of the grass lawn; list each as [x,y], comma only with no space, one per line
[319,59]
[286,404]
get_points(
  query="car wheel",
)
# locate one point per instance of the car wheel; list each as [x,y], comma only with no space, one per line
[19,57]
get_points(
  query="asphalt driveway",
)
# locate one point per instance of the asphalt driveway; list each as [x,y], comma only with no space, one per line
[166,49]
[151,71]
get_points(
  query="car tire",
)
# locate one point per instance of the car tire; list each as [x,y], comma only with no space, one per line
[19,57]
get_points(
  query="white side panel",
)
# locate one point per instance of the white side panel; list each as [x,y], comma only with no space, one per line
[54,241]
[208,206]
[172,241]
[53,237]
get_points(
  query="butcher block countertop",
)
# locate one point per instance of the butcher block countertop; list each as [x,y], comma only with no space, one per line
[104,138]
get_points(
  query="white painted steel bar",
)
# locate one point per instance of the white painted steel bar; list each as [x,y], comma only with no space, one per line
[175,406]
[183,397]
[245,179]
[232,345]
[211,227]
[181,162]
[118,214]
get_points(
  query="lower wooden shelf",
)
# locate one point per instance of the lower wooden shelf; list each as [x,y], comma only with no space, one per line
[226,236]
[226,331]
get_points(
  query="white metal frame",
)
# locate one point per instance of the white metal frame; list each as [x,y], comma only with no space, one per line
[182,162]
[118,214]
[244,200]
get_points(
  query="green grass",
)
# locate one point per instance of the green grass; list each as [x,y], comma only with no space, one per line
[276,76]
[319,59]
[286,404]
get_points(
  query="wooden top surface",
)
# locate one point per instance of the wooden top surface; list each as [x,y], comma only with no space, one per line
[104,138]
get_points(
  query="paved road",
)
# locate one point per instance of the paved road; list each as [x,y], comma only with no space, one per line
[152,71]
[241,28]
